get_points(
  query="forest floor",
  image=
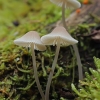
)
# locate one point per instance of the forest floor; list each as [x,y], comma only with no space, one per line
[16,77]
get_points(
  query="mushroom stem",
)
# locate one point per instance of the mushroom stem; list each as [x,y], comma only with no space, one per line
[52,72]
[78,61]
[63,15]
[36,73]
[74,46]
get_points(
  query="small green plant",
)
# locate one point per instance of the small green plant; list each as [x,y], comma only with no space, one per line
[90,86]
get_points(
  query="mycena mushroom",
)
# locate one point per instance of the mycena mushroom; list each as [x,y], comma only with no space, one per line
[32,40]
[59,36]
[74,4]
[68,4]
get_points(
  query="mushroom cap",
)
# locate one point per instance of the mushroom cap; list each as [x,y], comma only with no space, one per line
[68,3]
[29,38]
[59,34]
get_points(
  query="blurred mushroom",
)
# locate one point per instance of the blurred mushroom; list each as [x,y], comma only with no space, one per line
[67,3]
[32,40]
[59,36]
[72,4]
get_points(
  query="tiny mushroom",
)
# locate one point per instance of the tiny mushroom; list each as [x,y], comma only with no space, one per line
[67,3]
[59,36]
[32,39]
[70,4]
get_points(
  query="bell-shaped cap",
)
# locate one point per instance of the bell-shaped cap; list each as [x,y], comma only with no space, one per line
[59,34]
[68,3]
[29,38]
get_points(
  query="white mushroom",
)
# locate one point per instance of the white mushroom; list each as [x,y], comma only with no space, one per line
[67,3]
[31,37]
[70,4]
[32,40]
[74,4]
[59,36]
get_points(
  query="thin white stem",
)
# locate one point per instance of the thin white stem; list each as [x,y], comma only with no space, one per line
[36,73]
[63,15]
[74,46]
[52,72]
[78,62]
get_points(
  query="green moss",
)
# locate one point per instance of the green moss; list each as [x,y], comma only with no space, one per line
[21,16]
[90,86]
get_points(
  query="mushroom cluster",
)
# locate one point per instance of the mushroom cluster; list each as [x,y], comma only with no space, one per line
[58,37]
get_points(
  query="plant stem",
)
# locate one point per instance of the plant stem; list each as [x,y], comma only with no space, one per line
[52,72]
[36,73]
[78,61]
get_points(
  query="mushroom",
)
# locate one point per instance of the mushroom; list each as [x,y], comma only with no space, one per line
[59,36]
[70,4]
[74,4]
[32,39]
[67,3]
